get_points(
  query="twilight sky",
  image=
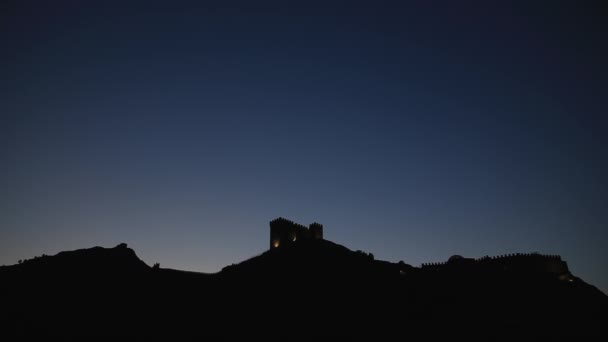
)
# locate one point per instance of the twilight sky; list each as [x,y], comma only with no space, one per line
[413,131]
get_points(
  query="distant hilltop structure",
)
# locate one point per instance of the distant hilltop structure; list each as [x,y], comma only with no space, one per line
[518,262]
[284,231]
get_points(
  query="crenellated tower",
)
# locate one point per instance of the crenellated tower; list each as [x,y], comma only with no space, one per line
[316,231]
[284,231]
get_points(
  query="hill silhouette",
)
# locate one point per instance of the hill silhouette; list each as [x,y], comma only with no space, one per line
[314,258]
[309,288]
[92,262]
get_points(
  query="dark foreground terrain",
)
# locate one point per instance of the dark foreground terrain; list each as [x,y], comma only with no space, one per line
[311,288]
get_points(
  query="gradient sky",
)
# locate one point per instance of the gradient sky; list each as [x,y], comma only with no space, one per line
[413,131]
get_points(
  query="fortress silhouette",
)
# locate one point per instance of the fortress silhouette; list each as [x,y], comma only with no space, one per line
[111,292]
[284,232]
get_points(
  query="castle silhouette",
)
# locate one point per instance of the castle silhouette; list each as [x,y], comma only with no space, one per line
[284,231]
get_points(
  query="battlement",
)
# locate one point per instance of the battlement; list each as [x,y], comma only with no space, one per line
[284,231]
[518,262]
[520,255]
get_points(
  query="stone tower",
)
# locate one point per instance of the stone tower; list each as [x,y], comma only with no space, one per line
[316,231]
[284,232]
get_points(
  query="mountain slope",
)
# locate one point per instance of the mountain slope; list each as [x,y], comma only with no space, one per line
[315,258]
[96,261]
[310,288]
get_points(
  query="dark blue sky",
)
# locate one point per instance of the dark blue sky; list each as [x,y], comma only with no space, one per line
[413,131]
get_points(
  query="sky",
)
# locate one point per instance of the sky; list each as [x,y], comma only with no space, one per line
[411,130]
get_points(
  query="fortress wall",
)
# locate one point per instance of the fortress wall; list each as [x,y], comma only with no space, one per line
[519,262]
[284,231]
